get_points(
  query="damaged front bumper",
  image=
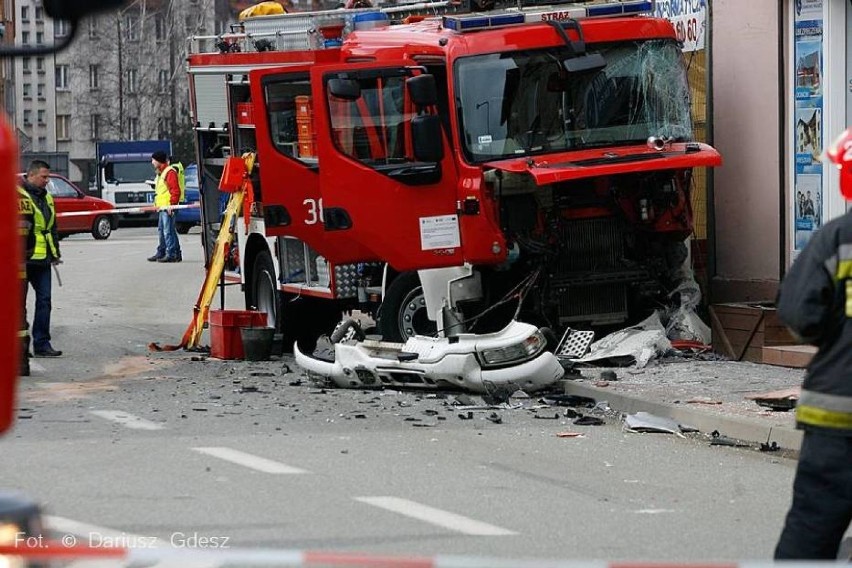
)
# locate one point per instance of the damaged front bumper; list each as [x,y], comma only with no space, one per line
[514,356]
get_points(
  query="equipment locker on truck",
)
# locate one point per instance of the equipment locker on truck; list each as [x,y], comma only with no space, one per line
[452,174]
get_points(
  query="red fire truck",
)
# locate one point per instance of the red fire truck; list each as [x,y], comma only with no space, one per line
[448,171]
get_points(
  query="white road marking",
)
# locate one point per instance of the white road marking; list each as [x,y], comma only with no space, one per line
[128,420]
[437,517]
[250,461]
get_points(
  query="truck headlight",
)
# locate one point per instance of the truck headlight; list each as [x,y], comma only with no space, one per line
[527,349]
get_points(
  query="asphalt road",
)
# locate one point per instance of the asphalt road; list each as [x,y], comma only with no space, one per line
[114,440]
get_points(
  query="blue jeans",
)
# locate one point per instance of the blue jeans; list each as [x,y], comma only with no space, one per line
[39,277]
[169,245]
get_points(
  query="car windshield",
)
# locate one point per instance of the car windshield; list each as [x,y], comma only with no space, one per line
[129,172]
[525,102]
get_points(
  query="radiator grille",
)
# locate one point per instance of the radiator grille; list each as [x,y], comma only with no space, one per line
[591,245]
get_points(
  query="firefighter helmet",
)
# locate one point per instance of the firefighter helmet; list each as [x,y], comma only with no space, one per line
[841,154]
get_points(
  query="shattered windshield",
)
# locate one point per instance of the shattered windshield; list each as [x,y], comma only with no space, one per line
[525,102]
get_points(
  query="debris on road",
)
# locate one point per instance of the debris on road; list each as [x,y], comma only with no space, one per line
[717,439]
[569,435]
[779,400]
[644,422]
[637,345]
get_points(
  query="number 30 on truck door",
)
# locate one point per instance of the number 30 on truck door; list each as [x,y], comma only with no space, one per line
[314,207]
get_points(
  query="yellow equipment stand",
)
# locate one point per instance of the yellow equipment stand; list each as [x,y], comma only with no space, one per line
[192,335]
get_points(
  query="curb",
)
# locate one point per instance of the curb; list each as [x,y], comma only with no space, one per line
[738,428]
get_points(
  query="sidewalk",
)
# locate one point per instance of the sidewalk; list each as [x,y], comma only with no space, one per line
[708,395]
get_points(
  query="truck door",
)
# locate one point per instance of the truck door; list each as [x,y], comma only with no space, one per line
[289,165]
[375,190]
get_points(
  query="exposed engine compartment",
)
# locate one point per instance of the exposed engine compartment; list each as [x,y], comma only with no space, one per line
[606,250]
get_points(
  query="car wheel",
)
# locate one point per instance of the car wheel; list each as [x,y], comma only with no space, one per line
[183,228]
[403,312]
[102,228]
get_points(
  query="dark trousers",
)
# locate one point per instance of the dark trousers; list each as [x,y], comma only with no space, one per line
[39,277]
[822,499]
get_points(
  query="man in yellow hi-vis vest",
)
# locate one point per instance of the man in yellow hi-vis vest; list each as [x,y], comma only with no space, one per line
[25,229]
[166,192]
[45,252]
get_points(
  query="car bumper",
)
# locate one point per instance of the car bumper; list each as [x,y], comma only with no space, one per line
[371,364]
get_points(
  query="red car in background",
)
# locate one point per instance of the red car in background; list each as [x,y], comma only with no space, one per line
[69,198]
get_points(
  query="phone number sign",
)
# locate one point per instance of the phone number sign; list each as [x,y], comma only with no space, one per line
[689,18]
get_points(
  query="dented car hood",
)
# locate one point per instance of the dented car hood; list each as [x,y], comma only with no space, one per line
[578,164]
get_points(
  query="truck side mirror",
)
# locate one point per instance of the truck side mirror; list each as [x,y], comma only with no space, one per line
[426,138]
[346,89]
[75,11]
[422,90]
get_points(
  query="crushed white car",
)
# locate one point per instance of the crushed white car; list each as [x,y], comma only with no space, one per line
[515,356]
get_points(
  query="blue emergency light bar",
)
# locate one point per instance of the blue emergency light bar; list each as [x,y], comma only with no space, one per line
[573,10]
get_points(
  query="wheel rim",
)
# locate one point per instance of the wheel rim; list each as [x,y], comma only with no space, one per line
[104,227]
[264,297]
[413,316]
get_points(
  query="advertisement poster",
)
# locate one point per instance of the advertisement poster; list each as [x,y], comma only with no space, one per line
[808,129]
[689,18]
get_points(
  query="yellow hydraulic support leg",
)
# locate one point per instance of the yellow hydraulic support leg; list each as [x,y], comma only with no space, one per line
[192,335]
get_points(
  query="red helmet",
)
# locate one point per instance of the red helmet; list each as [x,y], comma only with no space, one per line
[841,154]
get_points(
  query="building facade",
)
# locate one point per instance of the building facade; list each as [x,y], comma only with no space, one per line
[781,81]
[34,79]
[122,78]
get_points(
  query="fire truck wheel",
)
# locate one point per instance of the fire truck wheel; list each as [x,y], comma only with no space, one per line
[102,228]
[403,311]
[263,295]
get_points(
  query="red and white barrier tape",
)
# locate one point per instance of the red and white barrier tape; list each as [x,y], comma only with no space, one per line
[120,210]
[55,550]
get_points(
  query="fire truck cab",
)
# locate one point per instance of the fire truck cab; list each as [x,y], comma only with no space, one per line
[450,172]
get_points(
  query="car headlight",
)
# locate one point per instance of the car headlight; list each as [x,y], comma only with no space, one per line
[527,349]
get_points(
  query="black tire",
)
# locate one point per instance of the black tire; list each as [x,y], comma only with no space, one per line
[102,228]
[183,228]
[403,311]
[305,319]
[262,293]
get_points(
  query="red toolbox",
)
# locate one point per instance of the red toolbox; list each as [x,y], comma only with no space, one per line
[225,340]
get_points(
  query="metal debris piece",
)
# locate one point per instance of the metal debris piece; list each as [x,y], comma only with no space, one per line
[468,416]
[588,421]
[495,418]
[770,447]
[642,422]
[519,394]
[574,343]
[540,417]
[637,344]
[569,400]
[717,439]
[569,435]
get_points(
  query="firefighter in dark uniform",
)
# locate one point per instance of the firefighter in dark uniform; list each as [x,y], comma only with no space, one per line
[26,222]
[815,301]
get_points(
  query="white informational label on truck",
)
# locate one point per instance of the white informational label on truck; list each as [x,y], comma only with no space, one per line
[439,232]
